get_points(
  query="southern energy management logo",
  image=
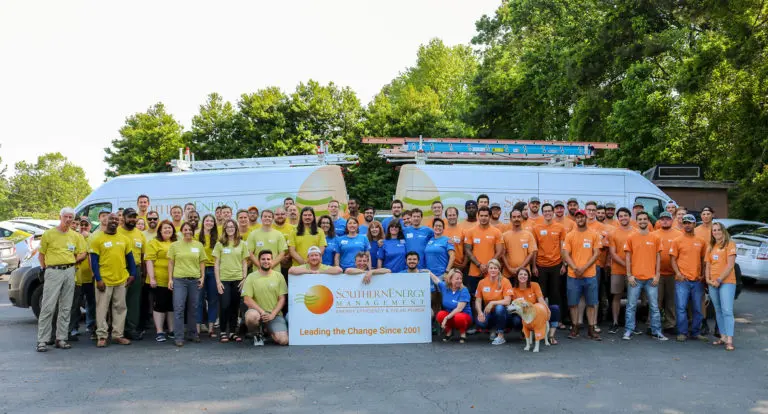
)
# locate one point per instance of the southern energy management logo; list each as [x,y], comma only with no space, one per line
[318,299]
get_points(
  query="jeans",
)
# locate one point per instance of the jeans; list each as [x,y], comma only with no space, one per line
[89,289]
[230,305]
[496,319]
[554,317]
[184,299]
[722,299]
[633,294]
[209,293]
[685,291]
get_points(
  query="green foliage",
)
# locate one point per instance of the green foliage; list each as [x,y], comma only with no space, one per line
[148,141]
[5,191]
[41,189]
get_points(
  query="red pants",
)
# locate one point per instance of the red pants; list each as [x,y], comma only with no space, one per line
[460,321]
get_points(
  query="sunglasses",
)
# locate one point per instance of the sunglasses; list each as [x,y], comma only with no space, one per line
[152,219]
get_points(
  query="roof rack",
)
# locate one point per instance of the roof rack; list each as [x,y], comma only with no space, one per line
[486,150]
[187,162]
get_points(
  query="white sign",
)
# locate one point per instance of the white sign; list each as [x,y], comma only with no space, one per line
[339,309]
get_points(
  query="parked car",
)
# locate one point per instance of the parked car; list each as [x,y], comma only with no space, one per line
[3,268]
[736,226]
[23,241]
[25,286]
[752,254]
[8,256]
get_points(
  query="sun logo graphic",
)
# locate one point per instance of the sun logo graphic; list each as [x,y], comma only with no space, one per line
[318,299]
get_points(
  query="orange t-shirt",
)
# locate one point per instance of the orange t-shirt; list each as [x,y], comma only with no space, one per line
[490,291]
[466,225]
[456,234]
[603,230]
[688,251]
[483,243]
[360,217]
[528,225]
[643,249]
[531,294]
[611,222]
[566,222]
[517,246]
[718,260]
[666,237]
[537,220]
[617,239]
[503,227]
[581,245]
[549,242]
[633,223]
[704,232]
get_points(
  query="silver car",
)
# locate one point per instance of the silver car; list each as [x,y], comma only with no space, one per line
[737,226]
[8,256]
[752,254]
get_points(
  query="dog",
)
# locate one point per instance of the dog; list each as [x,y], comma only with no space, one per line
[535,321]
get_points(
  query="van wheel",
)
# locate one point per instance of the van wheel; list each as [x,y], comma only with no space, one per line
[36,300]
[748,281]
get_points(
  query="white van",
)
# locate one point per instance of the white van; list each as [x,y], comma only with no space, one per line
[420,185]
[264,188]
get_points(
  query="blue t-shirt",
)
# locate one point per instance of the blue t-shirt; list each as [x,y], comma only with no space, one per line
[436,254]
[349,247]
[385,224]
[330,250]
[392,255]
[416,240]
[374,254]
[451,299]
[362,229]
[340,226]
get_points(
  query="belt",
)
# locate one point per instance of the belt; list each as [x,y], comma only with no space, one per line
[61,267]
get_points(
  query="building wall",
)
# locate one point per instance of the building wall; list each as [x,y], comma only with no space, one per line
[696,198]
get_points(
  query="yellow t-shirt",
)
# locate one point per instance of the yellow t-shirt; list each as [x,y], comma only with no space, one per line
[304,242]
[157,253]
[267,240]
[112,249]
[138,245]
[287,228]
[231,260]
[149,236]
[187,257]
[209,261]
[83,272]
[61,248]
[265,290]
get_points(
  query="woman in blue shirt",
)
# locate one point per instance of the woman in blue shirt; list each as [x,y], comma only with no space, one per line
[438,255]
[326,223]
[375,234]
[392,252]
[350,244]
[456,313]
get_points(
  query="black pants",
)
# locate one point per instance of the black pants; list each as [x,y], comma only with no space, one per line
[230,306]
[145,312]
[74,314]
[549,281]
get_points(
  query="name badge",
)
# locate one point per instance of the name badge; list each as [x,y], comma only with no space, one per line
[226,250]
[486,289]
[71,247]
[108,244]
[409,236]
[259,244]
[194,250]
[477,241]
[715,257]
[587,245]
[138,244]
[456,239]
[345,242]
[431,242]
[525,245]
[543,232]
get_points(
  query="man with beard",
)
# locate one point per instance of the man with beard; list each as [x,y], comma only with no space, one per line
[496,217]
[610,214]
[397,211]
[253,218]
[560,218]
[617,239]
[188,208]
[470,208]
[153,219]
[293,215]
[519,246]
[369,214]
[114,269]
[282,225]
[133,328]
[264,293]
[573,207]
[667,234]
[353,210]
[533,210]
[580,251]
[670,208]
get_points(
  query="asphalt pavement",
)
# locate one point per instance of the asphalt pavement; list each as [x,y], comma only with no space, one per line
[575,376]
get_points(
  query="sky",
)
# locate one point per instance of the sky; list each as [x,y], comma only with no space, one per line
[73,71]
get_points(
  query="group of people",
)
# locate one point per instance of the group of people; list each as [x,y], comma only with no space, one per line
[192,271]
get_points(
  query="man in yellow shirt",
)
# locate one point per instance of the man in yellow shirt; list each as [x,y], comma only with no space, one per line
[142,206]
[282,225]
[293,215]
[153,219]
[134,328]
[253,218]
[267,238]
[60,250]
[314,264]
[264,293]
[114,269]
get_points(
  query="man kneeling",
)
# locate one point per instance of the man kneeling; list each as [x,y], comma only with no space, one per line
[264,292]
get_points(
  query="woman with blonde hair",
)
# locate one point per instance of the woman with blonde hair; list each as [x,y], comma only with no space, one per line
[230,268]
[493,295]
[456,312]
[721,278]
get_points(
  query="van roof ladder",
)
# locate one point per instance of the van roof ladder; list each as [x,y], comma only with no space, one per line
[422,149]
[187,162]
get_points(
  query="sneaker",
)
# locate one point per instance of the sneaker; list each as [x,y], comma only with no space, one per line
[659,337]
[74,332]
[258,340]
[171,335]
[627,336]
[499,340]
[471,331]
[636,332]
[614,328]
[597,329]
[682,338]
[160,337]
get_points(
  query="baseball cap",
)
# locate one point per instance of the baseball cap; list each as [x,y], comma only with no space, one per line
[470,203]
[672,202]
[582,212]
[610,205]
[665,215]
[534,199]
[129,212]
[689,218]
[105,211]
[637,204]
[496,205]
[84,218]
[314,249]
[573,200]
[559,203]
[253,208]
[600,207]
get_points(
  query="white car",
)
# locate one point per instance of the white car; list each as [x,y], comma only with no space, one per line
[752,254]
[737,226]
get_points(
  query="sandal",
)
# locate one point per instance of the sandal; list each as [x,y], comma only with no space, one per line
[63,345]
[236,338]
[101,343]
[729,347]
[212,334]
[719,342]
[223,338]
[552,340]
[41,347]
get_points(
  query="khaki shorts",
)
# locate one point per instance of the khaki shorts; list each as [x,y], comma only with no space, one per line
[279,324]
[618,284]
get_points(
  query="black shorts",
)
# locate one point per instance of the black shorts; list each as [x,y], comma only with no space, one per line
[162,299]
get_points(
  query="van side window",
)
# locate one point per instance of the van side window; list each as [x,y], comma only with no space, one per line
[92,212]
[652,206]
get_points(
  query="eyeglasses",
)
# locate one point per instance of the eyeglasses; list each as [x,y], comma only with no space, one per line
[152,219]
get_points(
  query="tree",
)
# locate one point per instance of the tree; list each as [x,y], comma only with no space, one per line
[148,141]
[214,133]
[5,190]
[43,188]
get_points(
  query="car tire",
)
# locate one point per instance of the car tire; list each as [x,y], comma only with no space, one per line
[748,281]
[36,300]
